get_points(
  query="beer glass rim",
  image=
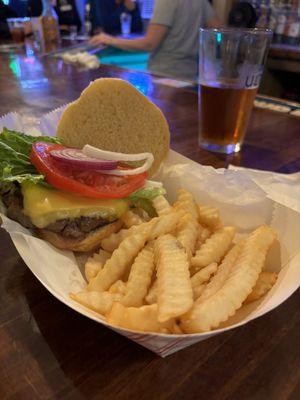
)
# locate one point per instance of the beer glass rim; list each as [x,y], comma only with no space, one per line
[18,19]
[253,31]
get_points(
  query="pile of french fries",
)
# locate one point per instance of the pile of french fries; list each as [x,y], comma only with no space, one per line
[180,272]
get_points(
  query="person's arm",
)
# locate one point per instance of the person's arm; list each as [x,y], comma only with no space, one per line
[210,18]
[161,22]
[154,36]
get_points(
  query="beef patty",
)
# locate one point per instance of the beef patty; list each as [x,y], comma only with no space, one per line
[70,228]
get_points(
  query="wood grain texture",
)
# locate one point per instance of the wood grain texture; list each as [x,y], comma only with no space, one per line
[48,351]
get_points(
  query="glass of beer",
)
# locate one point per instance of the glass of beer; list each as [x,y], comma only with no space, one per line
[231,63]
[16,29]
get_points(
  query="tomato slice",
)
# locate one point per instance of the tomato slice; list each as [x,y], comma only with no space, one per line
[80,181]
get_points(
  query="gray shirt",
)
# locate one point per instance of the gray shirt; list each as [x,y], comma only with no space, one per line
[177,54]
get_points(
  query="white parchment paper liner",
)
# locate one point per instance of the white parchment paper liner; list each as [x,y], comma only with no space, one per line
[244,203]
[282,188]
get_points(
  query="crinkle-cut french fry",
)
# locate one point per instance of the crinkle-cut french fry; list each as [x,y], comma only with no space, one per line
[176,330]
[121,258]
[187,233]
[142,319]
[161,205]
[203,235]
[130,219]
[164,224]
[119,287]
[223,271]
[95,263]
[99,302]
[214,248]
[265,282]
[151,297]
[186,202]
[198,290]
[209,216]
[113,241]
[175,295]
[139,278]
[168,222]
[209,313]
[204,274]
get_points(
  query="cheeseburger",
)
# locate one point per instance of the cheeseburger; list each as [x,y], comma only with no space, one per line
[72,189]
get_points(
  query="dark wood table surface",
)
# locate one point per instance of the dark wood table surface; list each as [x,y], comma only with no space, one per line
[285,51]
[48,351]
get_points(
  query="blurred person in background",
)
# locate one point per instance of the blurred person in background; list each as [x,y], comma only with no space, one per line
[106,14]
[66,11]
[171,37]
[5,13]
[34,8]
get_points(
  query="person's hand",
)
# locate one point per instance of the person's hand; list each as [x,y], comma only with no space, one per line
[102,38]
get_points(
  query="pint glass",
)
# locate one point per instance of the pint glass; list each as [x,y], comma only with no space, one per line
[16,29]
[231,63]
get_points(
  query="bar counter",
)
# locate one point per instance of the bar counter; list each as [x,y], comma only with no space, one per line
[283,57]
[49,351]
[285,51]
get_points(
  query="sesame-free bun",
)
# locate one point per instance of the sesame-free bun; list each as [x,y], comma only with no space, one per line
[111,114]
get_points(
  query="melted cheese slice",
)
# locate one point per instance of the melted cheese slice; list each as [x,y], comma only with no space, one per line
[45,206]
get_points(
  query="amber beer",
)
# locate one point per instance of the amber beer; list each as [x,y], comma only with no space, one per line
[224,114]
[16,29]
[18,34]
[231,63]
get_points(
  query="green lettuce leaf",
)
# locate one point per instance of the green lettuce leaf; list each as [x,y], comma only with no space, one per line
[142,198]
[15,148]
[147,193]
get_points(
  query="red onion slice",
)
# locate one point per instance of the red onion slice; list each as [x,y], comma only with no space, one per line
[77,158]
[148,158]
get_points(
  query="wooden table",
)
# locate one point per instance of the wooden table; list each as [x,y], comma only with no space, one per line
[284,57]
[285,51]
[48,351]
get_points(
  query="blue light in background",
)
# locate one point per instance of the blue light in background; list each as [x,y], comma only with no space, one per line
[219,37]
[29,52]
[141,82]
[20,68]
[124,59]
[29,84]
